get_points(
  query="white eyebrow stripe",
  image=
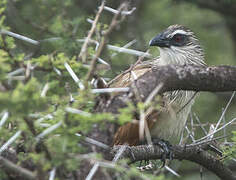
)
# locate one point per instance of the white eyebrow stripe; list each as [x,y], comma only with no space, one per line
[180,31]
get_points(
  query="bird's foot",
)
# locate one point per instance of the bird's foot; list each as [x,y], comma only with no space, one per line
[166,147]
[131,153]
[148,165]
[143,163]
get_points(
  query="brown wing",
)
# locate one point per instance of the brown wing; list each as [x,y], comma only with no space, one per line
[129,133]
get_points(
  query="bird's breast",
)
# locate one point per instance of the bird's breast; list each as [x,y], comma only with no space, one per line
[171,122]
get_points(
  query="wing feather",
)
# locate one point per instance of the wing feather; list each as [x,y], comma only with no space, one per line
[129,132]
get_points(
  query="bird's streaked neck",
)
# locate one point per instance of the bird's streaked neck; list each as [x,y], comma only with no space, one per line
[181,56]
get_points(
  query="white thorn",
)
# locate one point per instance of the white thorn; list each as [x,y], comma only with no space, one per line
[47,131]
[94,142]
[119,153]
[18,36]
[128,51]
[52,174]
[4,118]
[48,116]
[45,89]
[73,75]
[57,71]
[17,71]
[110,90]
[92,171]
[114,11]
[77,111]
[134,76]
[10,141]
[172,171]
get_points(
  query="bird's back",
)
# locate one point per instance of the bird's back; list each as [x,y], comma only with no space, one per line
[127,77]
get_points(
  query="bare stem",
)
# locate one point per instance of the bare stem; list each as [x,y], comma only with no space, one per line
[103,42]
[85,45]
[13,168]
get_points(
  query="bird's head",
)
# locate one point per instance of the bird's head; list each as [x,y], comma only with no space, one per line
[178,45]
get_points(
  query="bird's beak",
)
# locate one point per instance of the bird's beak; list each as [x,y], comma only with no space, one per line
[160,40]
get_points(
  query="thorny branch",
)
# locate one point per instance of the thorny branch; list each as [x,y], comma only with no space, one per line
[166,78]
[115,21]
[85,45]
[175,77]
[197,154]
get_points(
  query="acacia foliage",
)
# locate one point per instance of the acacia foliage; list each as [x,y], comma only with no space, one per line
[44,65]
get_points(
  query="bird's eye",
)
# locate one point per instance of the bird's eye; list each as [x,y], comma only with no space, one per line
[178,38]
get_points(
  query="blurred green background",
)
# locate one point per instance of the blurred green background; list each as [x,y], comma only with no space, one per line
[41,19]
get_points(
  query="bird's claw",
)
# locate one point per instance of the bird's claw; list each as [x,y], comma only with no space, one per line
[166,148]
[131,153]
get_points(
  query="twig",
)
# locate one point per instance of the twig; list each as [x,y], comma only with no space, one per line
[102,44]
[190,134]
[31,127]
[225,109]
[225,129]
[210,134]
[195,93]
[201,125]
[216,149]
[153,94]
[12,167]
[143,126]
[85,45]
[206,141]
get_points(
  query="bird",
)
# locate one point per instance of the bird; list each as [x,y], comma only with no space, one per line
[177,45]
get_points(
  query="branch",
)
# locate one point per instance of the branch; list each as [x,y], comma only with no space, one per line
[194,153]
[11,167]
[169,78]
[85,45]
[103,42]
[176,77]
